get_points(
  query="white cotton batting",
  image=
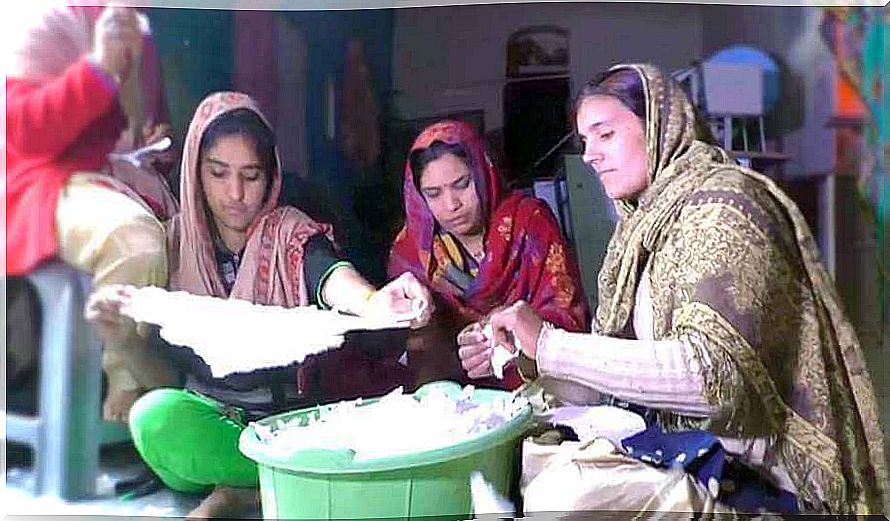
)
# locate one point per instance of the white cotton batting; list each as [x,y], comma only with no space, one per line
[397,424]
[233,335]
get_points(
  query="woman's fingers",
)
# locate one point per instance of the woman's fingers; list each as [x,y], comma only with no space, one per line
[419,295]
[104,305]
[472,334]
[476,360]
[502,325]
[471,338]
[117,40]
[416,295]
[481,371]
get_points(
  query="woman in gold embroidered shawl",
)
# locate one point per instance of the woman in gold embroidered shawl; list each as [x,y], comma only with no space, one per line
[714,310]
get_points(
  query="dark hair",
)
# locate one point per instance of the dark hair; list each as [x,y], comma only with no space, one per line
[625,85]
[247,123]
[421,157]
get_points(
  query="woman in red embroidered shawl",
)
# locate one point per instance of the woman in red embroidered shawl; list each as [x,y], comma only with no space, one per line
[478,247]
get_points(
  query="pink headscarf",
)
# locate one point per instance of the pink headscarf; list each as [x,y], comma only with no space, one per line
[271,270]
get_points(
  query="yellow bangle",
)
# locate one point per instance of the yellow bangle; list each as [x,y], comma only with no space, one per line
[363,303]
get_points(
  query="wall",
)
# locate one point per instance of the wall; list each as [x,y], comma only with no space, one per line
[791,36]
[200,53]
[195,49]
[350,195]
[454,58]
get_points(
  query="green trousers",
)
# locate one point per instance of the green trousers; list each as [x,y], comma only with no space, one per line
[190,441]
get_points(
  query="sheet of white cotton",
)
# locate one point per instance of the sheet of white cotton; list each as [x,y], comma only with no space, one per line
[233,335]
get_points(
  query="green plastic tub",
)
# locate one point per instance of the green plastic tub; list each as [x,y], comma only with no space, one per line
[328,484]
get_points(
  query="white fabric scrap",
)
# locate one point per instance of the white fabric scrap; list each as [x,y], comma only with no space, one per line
[500,355]
[486,499]
[598,421]
[233,335]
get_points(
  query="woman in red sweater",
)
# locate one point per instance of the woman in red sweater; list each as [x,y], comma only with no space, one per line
[63,117]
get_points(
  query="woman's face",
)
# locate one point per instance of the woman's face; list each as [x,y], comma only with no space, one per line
[234,184]
[447,186]
[614,146]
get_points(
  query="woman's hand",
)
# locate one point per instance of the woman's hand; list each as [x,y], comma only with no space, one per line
[117,41]
[154,132]
[404,296]
[514,327]
[474,351]
[103,311]
[163,162]
[517,327]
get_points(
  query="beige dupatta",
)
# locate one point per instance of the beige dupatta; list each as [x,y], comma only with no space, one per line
[271,270]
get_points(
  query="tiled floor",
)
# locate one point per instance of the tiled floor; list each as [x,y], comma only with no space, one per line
[119,462]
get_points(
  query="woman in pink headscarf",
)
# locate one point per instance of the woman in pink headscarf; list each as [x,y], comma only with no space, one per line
[232,240]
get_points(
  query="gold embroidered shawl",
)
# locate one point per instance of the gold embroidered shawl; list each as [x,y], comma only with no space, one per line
[735,273]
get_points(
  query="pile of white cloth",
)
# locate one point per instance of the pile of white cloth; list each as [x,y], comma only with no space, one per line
[397,424]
